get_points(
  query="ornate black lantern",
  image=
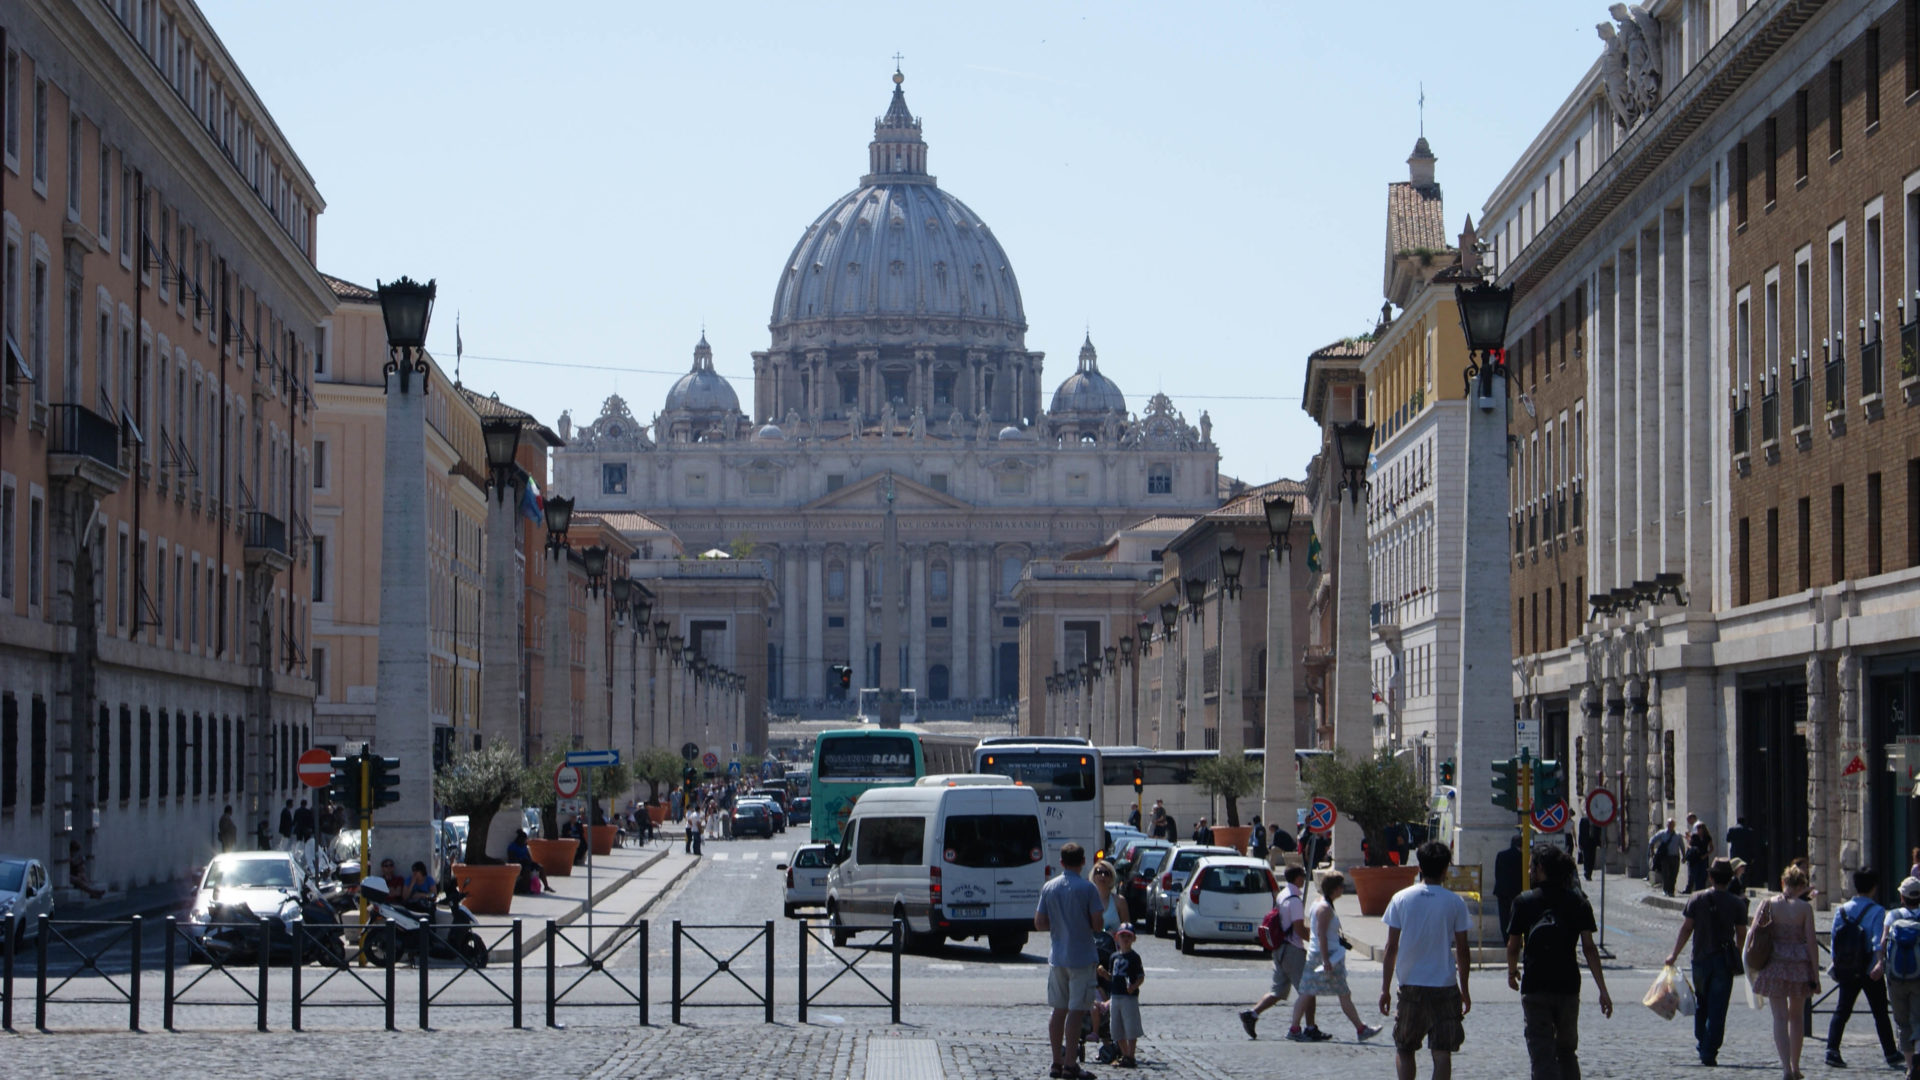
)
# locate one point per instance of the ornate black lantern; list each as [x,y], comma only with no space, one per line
[559,517]
[595,561]
[1126,650]
[1232,558]
[1280,520]
[1196,597]
[1169,620]
[407,307]
[1354,440]
[502,439]
[1146,638]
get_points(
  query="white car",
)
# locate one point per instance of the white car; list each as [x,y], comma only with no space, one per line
[1165,890]
[806,874]
[25,893]
[1225,899]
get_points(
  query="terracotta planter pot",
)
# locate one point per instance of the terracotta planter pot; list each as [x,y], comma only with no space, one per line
[554,856]
[1373,886]
[1236,837]
[600,838]
[657,814]
[489,889]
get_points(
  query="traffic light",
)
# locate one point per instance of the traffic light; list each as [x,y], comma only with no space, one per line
[1139,781]
[383,780]
[845,674]
[1549,783]
[1446,772]
[1506,784]
[344,788]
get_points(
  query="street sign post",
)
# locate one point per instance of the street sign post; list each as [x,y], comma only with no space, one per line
[1322,815]
[733,768]
[316,767]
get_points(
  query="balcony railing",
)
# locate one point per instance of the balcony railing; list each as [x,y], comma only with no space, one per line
[1910,349]
[1770,417]
[266,531]
[1560,513]
[1533,526]
[1802,402]
[1519,536]
[1579,507]
[1837,382]
[1741,439]
[76,429]
[1872,377]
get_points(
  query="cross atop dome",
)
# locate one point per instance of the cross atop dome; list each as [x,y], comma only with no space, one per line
[897,154]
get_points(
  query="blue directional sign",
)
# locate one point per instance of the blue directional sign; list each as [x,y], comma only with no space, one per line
[590,759]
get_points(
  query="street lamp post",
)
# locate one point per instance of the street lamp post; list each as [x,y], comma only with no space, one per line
[1193,727]
[596,711]
[1231,708]
[1109,697]
[1167,736]
[1279,794]
[1486,644]
[556,688]
[1353,683]
[1128,730]
[501,608]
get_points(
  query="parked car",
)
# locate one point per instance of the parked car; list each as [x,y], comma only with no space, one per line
[1137,879]
[26,893]
[1117,835]
[806,872]
[752,816]
[802,812]
[1135,846]
[240,888]
[1227,898]
[777,794]
[1173,878]
[779,813]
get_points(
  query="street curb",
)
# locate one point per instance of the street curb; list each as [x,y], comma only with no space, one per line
[535,936]
[641,911]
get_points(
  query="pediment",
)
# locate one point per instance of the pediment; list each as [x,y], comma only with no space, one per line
[869,493]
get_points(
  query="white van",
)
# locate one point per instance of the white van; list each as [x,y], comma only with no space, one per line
[955,856]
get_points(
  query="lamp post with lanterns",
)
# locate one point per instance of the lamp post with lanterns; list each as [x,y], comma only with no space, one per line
[1193,726]
[554,727]
[505,597]
[1127,732]
[1166,735]
[1279,789]
[1352,702]
[1230,718]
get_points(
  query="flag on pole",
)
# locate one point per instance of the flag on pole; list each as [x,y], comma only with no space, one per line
[532,504]
[459,348]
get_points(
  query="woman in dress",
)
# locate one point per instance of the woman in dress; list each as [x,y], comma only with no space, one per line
[1326,963]
[1791,974]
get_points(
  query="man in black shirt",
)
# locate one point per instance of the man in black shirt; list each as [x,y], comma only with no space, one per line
[1716,920]
[1548,921]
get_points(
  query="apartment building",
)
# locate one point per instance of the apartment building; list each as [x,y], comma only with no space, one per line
[161,310]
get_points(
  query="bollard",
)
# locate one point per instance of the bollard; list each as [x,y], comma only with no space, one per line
[552,939]
[676,970]
[8,928]
[266,957]
[899,940]
[392,935]
[166,977]
[803,971]
[516,975]
[643,973]
[424,961]
[769,933]
[295,968]
[133,982]
[40,979]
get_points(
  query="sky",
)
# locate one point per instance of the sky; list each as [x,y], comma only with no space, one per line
[1200,186]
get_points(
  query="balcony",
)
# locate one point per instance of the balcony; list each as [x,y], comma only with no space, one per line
[1579,507]
[1770,419]
[1910,360]
[1836,371]
[266,541]
[1872,377]
[1742,437]
[1802,406]
[84,446]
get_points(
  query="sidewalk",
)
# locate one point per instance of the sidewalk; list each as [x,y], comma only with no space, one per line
[160,898]
[626,883]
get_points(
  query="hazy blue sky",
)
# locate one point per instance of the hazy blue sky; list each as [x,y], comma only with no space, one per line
[1201,184]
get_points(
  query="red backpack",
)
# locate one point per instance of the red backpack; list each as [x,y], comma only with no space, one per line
[1271,933]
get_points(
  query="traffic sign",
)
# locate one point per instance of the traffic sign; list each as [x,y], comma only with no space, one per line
[1322,815]
[593,759]
[733,768]
[710,759]
[1551,817]
[1854,766]
[689,751]
[316,768]
[566,781]
[1601,806]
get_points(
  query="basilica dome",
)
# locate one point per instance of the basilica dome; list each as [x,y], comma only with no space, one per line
[702,390]
[1086,392]
[901,251]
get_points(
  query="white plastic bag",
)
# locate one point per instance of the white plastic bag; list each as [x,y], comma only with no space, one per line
[1683,995]
[1661,997]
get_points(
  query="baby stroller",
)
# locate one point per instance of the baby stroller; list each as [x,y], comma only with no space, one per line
[1096,1027]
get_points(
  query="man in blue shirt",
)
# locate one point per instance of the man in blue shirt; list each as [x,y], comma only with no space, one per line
[1070,912]
[1850,979]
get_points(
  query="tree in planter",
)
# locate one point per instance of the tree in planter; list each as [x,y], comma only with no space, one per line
[608,783]
[1229,778]
[479,784]
[658,768]
[1374,793]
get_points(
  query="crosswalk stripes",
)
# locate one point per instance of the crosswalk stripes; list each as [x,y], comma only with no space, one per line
[721,856]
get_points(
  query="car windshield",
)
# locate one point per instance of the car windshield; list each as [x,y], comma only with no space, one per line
[749,810]
[1184,861]
[1150,861]
[12,876]
[251,874]
[1236,879]
[812,859]
[983,840]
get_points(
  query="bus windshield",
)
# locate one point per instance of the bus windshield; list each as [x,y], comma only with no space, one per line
[864,757]
[1066,777]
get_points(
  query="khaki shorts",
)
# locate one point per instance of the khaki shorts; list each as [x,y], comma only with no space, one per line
[1070,988]
[1289,963]
[1430,1013]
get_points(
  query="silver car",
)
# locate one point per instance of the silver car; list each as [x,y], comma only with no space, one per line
[25,893]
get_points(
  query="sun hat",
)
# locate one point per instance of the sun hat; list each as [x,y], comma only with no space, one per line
[1910,887]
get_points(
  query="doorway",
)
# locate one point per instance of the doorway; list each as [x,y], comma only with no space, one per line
[1008,673]
[1892,833]
[1773,772]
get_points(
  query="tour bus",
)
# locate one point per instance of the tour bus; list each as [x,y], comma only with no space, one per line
[1167,775]
[848,762]
[1065,774]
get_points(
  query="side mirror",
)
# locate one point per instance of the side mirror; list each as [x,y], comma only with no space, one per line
[780,866]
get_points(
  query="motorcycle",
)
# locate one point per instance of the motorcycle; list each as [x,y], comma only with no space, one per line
[456,941]
[231,936]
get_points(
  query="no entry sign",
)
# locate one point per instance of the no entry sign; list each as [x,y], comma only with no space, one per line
[316,768]
[1321,815]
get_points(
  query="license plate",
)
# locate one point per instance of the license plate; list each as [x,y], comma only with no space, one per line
[969,911]
[817,881]
[1240,926]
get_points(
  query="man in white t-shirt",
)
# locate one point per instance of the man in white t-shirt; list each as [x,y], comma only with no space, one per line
[1427,943]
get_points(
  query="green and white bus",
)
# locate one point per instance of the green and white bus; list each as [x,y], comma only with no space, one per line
[849,762]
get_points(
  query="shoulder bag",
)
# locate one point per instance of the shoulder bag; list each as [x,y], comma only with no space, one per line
[1760,939]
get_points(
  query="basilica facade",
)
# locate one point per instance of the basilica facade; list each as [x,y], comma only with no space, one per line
[897,369]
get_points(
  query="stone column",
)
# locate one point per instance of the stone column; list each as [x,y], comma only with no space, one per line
[1109,706]
[813,648]
[1590,768]
[624,728]
[656,707]
[1634,791]
[1230,713]
[1129,732]
[1164,737]
[674,704]
[556,681]
[791,686]
[1822,841]
[857,621]
[596,720]
[1654,753]
[501,619]
[1486,644]
[1279,792]
[1193,726]
[1352,681]
[402,720]
[1615,773]
[961,677]
[983,659]
[917,621]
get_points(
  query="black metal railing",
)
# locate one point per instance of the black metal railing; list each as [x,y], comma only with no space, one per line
[1872,377]
[1910,349]
[1533,525]
[890,944]
[79,956]
[266,531]
[1837,382]
[225,948]
[1519,536]
[1579,506]
[1742,442]
[1770,417]
[76,429]
[1560,513]
[722,965]
[1802,402]
[593,958]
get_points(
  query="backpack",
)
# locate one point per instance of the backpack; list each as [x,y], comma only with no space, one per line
[1903,943]
[1547,937]
[1270,934]
[1852,952]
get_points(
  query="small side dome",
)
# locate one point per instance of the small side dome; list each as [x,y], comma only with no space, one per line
[1010,433]
[702,389]
[1087,394]
[769,433]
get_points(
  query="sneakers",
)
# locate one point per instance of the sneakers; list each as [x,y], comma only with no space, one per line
[1368,1032]
[1248,1020]
[1297,1035]
[1834,1061]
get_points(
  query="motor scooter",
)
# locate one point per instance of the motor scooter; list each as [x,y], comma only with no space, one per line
[456,941]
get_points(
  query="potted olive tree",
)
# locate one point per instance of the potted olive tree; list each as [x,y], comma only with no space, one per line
[1229,778]
[552,851]
[1375,793]
[483,785]
[658,768]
